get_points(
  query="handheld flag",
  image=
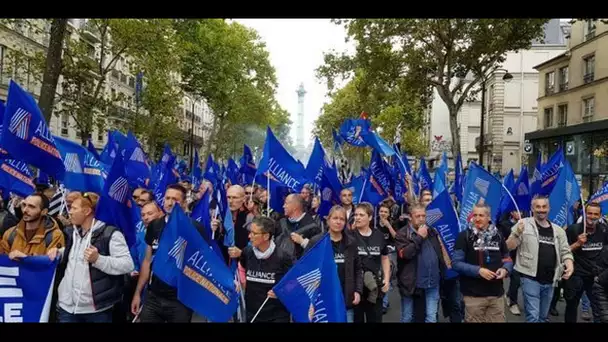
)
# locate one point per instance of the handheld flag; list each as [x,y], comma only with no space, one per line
[83,172]
[26,134]
[26,289]
[563,196]
[441,215]
[311,289]
[480,187]
[16,176]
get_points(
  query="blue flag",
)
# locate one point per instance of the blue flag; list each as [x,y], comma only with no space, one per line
[109,151]
[3,153]
[280,165]
[16,176]
[563,196]
[509,180]
[26,134]
[330,191]
[26,288]
[316,163]
[232,172]
[168,176]
[83,172]
[204,282]
[248,168]
[138,250]
[536,180]
[114,201]
[380,173]
[311,289]
[136,164]
[480,186]
[377,143]
[441,215]
[42,178]
[352,130]
[197,172]
[91,148]
[601,197]
[458,186]
[438,183]
[550,171]
[424,177]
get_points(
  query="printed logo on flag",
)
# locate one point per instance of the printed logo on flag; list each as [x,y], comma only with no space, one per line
[326,194]
[482,186]
[177,251]
[138,155]
[522,190]
[72,163]
[433,216]
[311,282]
[20,123]
[113,154]
[119,190]
[9,289]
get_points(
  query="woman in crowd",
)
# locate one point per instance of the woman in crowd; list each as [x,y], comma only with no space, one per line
[373,252]
[346,257]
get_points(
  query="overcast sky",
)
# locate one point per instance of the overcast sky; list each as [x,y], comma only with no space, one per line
[296,49]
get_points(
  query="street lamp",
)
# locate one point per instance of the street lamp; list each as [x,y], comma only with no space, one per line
[507,78]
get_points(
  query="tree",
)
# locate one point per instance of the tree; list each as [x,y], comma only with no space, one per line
[437,53]
[228,65]
[53,65]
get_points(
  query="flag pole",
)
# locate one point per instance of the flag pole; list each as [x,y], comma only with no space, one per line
[362,189]
[584,215]
[268,197]
[260,309]
[512,199]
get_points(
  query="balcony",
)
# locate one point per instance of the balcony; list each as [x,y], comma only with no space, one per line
[121,113]
[588,78]
[563,86]
[90,32]
[549,90]
[590,35]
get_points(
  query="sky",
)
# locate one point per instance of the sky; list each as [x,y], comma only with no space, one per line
[296,48]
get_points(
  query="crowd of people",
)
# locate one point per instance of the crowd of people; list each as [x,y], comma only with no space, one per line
[376,249]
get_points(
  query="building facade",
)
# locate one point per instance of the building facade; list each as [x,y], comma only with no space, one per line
[32,37]
[573,105]
[511,106]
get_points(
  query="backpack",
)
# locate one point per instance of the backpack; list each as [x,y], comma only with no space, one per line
[48,238]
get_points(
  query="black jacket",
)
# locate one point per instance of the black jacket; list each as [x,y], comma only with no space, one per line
[307,227]
[408,246]
[353,271]
[7,221]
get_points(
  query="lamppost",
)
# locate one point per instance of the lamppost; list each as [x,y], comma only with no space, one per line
[507,78]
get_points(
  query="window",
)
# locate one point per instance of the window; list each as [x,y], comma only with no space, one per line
[588,109]
[589,29]
[131,82]
[491,98]
[113,94]
[65,122]
[589,69]
[563,78]
[549,83]
[549,117]
[99,135]
[123,78]
[562,115]
[116,74]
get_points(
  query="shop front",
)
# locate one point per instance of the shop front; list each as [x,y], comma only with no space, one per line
[585,146]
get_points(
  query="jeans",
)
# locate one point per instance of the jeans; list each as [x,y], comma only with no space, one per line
[573,291]
[585,303]
[393,258]
[514,284]
[350,316]
[97,317]
[431,296]
[157,309]
[537,300]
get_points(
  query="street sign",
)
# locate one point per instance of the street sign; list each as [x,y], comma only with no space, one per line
[528,148]
[570,148]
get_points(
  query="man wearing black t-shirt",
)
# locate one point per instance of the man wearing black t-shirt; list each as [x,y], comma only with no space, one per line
[543,258]
[265,265]
[482,259]
[161,303]
[586,247]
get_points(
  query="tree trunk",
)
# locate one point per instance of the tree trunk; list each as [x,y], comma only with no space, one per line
[455,133]
[53,68]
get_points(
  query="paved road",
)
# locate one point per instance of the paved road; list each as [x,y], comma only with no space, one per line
[394,311]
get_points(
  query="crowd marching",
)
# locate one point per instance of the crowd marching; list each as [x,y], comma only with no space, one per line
[280,242]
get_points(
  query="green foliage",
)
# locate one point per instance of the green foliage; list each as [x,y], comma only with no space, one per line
[228,65]
[419,54]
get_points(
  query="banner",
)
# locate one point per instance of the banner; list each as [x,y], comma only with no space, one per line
[26,288]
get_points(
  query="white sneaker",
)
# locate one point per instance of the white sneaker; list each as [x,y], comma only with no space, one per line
[515,310]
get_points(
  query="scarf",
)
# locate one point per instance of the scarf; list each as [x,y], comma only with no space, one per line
[486,235]
[264,255]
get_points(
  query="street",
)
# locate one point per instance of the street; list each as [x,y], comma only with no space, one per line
[394,311]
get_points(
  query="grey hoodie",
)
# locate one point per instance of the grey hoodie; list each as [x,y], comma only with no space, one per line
[75,291]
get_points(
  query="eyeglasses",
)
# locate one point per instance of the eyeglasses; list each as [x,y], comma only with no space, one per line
[86,196]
